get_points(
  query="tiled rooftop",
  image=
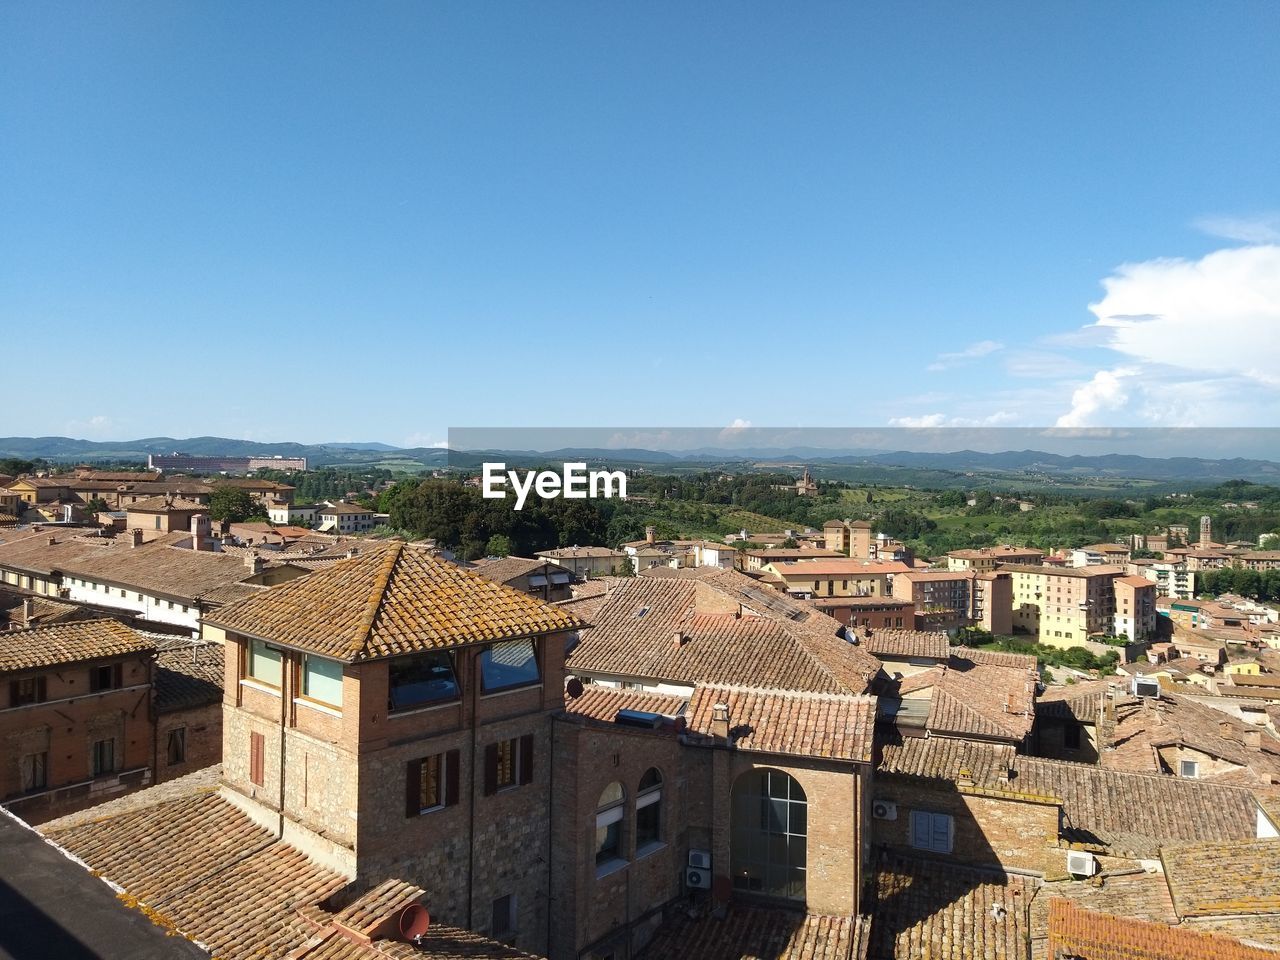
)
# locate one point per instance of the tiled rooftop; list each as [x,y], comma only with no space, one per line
[389,600]
[748,932]
[904,643]
[1209,879]
[188,675]
[830,726]
[64,643]
[930,911]
[201,866]
[1125,814]
[1078,932]
[752,635]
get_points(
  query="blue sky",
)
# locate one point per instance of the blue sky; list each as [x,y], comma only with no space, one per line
[335,221]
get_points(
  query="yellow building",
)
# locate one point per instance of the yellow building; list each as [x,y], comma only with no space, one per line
[1063,606]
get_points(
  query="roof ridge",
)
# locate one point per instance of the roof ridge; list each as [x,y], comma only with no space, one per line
[381,583]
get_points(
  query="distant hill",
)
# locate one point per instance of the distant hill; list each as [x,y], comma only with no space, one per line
[1011,466]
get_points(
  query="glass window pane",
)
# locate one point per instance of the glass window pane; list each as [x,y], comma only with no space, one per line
[426,678]
[264,663]
[767,835]
[322,680]
[510,664]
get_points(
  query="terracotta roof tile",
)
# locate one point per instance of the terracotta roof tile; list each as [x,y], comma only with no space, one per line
[904,643]
[602,703]
[768,640]
[390,600]
[755,932]
[931,911]
[1077,932]
[1126,814]
[1232,878]
[830,726]
[63,643]
[188,675]
[204,867]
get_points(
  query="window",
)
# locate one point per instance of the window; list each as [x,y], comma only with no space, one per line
[426,678]
[157,523]
[1189,769]
[264,663]
[931,831]
[27,690]
[104,757]
[768,829]
[508,763]
[1071,736]
[649,811]
[177,749]
[257,759]
[110,677]
[431,783]
[503,923]
[609,814]
[322,680]
[35,771]
[510,664]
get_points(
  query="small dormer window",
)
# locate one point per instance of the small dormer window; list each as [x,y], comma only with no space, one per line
[1189,769]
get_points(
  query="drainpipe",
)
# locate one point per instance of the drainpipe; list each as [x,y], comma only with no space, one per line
[473,678]
[287,678]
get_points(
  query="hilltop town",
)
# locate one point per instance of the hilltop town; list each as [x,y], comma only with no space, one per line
[344,727]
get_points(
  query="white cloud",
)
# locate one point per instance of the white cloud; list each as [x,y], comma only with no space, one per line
[424,440]
[1263,229]
[931,420]
[974,351]
[1217,315]
[1105,394]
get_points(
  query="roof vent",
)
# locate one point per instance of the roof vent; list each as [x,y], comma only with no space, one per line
[679,639]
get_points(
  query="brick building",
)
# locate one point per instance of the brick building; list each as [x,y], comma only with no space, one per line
[391,715]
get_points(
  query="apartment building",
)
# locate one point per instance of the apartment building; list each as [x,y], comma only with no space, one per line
[833,578]
[948,600]
[1135,608]
[1062,606]
[345,518]
[852,538]
[987,559]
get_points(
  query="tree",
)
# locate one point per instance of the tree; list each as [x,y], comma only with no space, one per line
[498,546]
[96,505]
[231,504]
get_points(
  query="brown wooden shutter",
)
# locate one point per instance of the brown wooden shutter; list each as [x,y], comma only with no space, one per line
[42,692]
[526,758]
[490,769]
[257,752]
[413,788]
[451,764]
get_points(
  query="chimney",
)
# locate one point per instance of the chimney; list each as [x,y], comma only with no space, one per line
[28,611]
[679,639]
[354,551]
[720,721]
[650,535]
[1253,738]
[52,540]
[135,537]
[200,532]
[253,563]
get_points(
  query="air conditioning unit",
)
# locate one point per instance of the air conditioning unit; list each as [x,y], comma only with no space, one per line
[700,859]
[695,878]
[1081,864]
[1145,687]
[884,810]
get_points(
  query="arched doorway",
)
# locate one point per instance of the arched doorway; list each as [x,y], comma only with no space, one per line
[768,831]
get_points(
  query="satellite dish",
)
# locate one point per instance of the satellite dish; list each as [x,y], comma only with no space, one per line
[573,688]
[414,921]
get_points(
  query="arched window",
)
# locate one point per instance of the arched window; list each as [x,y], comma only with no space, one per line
[767,835]
[649,811]
[609,816]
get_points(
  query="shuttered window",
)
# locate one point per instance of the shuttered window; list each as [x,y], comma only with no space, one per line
[257,758]
[431,783]
[508,763]
[931,831]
